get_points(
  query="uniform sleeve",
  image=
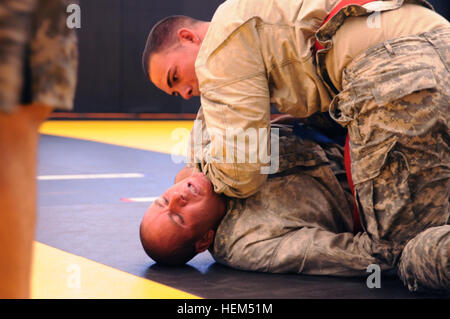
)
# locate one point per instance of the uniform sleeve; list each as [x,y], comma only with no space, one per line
[15,22]
[308,250]
[315,251]
[236,103]
[234,168]
[298,223]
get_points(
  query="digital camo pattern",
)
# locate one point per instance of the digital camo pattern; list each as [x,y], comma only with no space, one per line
[404,150]
[239,80]
[300,221]
[425,260]
[395,104]
[33,33]
[329,29]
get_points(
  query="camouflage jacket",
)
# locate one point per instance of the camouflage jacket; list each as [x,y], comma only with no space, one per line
[38,54]
[257,53]
[301,219]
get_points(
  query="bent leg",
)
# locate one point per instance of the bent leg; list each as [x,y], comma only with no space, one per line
[424,263]
[395,104]
[18,153]
[408,196]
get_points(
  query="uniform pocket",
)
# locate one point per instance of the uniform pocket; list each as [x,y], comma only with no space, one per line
[398,83]
[371,160]
[384,200]
[377,110]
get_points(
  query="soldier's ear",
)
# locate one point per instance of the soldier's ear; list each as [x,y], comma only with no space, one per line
[186,35]
[203,243]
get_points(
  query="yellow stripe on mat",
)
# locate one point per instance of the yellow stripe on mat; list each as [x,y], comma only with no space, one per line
[168,137]
[61,275]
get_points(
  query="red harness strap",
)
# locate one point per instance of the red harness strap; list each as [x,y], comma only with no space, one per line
[336,9]
[357,226]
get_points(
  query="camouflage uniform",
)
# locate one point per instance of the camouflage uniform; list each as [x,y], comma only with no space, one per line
[300,221]
[38,54]
[415,266]
[394,102]
[393,99]
[259,52]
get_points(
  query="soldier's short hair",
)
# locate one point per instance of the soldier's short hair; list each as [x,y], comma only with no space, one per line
[163,35]
[177,256]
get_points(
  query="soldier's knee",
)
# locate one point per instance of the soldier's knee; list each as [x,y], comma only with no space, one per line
[38,113]
[23,123]
[424,263]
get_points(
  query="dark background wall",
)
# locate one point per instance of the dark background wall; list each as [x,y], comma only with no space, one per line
[111,40]
[442,6]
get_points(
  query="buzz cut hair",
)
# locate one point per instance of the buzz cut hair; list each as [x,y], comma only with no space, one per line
[162,36]
[177,256]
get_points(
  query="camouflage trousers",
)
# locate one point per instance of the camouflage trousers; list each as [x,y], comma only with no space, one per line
[395,104]
[415,268]
[38,54]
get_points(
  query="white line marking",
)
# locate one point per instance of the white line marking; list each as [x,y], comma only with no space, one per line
[139,199]
[88,176]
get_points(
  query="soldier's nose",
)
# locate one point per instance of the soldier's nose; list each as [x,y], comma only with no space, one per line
[187,93]
[176,201]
